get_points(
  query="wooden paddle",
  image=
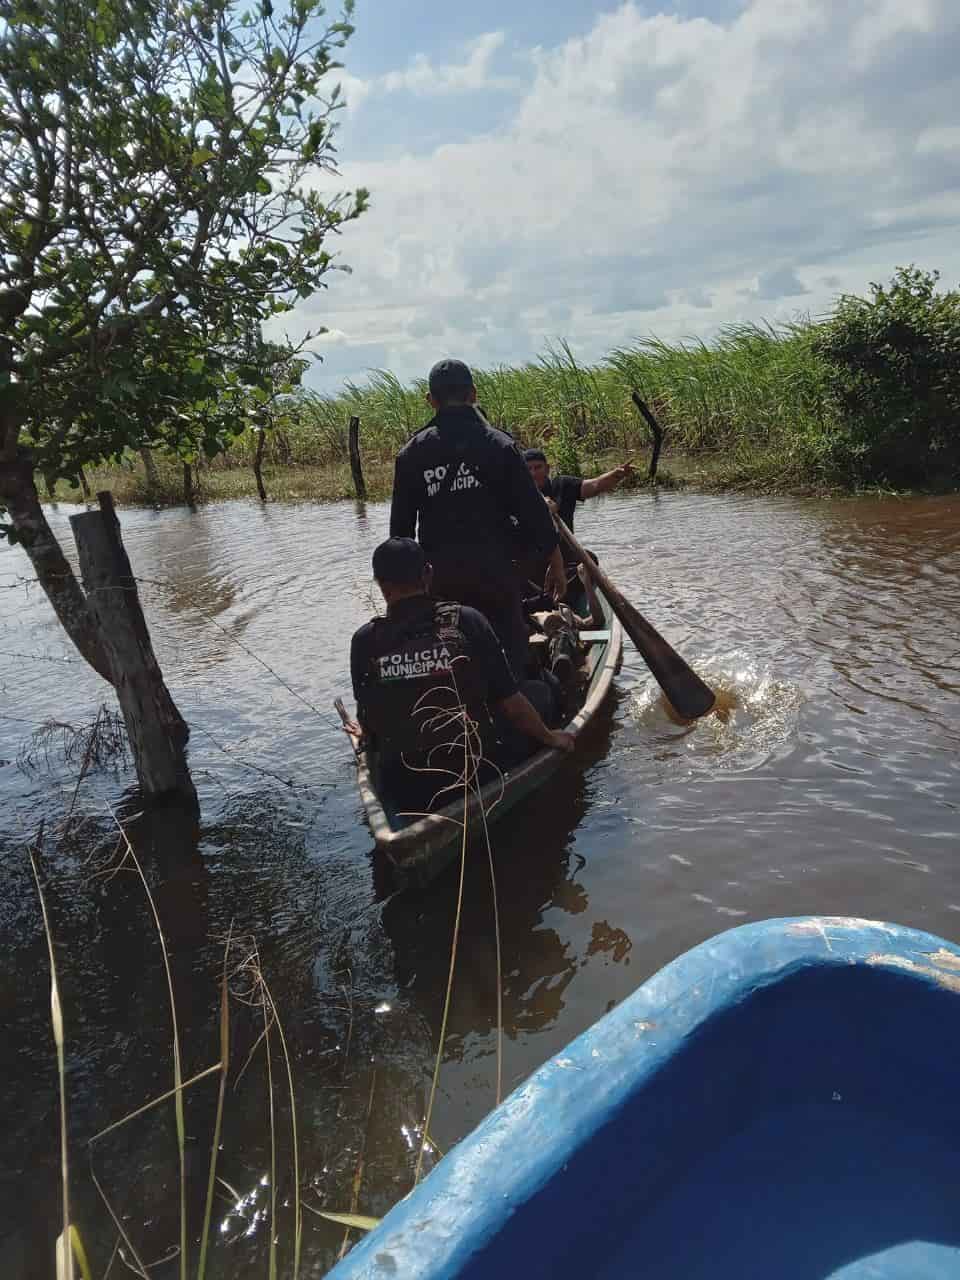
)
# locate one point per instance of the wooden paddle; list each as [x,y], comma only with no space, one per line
[686,692]
[347,722]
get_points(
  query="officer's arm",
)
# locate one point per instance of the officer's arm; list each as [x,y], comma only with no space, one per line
[356,679]
[356,666]
[403,504]
[603,484]
[502,688]
[524,716]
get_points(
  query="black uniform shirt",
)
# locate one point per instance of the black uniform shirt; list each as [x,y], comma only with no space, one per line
[469,510]
[566,491]
[482,644]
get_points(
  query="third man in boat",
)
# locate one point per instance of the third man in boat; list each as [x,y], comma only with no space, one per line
[461,486]
[562,493]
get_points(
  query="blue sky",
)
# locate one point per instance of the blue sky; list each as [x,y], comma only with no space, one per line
[597,171]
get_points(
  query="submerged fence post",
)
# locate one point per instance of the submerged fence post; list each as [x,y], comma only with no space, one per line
[150,469]
[156,730]
[353,439]
[258,463]
[655,429]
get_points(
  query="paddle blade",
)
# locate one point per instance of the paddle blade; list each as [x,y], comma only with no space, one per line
[690,697]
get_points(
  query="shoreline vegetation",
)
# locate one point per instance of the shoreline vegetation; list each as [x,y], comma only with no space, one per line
[867,398]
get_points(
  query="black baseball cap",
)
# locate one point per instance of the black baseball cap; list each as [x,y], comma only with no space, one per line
[448,376]
[534,455]
[400,561]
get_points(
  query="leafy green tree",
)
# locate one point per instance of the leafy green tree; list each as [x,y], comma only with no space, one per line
[160,203]
[893,380]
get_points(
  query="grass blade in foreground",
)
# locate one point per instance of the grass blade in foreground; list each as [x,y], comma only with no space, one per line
[64,1250]
[687,693]
[218,1123]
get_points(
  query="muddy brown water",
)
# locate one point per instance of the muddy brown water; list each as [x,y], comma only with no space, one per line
[832,788]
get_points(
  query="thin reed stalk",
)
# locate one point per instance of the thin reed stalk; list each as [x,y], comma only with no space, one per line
[297,1207]
[358,1172]
[272,1265]
[177,1067]
[137,1266]
[218,1122]
[64,1250]
[499,961]
[452,970]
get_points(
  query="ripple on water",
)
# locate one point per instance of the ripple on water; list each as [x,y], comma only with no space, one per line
[827,784]
[755,717]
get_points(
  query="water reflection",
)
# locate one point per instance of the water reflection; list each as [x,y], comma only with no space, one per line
[831,786]
[536,872]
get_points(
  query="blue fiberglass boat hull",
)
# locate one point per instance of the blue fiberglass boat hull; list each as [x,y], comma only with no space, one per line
[780,1103]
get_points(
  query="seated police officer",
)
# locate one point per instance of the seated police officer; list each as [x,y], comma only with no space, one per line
[462,487]
[424,678]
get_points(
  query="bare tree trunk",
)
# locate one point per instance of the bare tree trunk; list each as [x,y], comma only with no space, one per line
[155,728]
[355,467]
[284,452]
[150,468]
[18,493]
[258,464]
[188,495]
[84,487]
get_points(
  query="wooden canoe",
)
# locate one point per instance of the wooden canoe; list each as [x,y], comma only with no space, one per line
[780,1102]
[422,847]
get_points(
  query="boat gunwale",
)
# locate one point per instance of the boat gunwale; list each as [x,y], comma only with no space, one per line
[446,1223]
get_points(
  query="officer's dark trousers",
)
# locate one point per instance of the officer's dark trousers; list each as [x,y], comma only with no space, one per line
[497,593]
[514,745]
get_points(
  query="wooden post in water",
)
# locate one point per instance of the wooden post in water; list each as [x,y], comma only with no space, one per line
[150,469]
[353,439]
[258,463]
[189,496]
[156,730]
[655,428]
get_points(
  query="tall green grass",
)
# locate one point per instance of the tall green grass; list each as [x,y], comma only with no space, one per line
[869,394]
[754,389]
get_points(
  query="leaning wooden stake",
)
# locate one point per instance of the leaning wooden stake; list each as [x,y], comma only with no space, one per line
[258,464]
[150,469]
[157,731]
[355,467]
[655,428]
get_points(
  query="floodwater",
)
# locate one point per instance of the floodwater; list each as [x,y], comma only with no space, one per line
[832,626]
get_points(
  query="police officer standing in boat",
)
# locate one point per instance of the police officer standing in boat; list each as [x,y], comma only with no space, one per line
[457,483]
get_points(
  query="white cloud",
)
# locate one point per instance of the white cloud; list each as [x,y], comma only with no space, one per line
[353,90]
[425,79]
[931,141]
[665,174]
